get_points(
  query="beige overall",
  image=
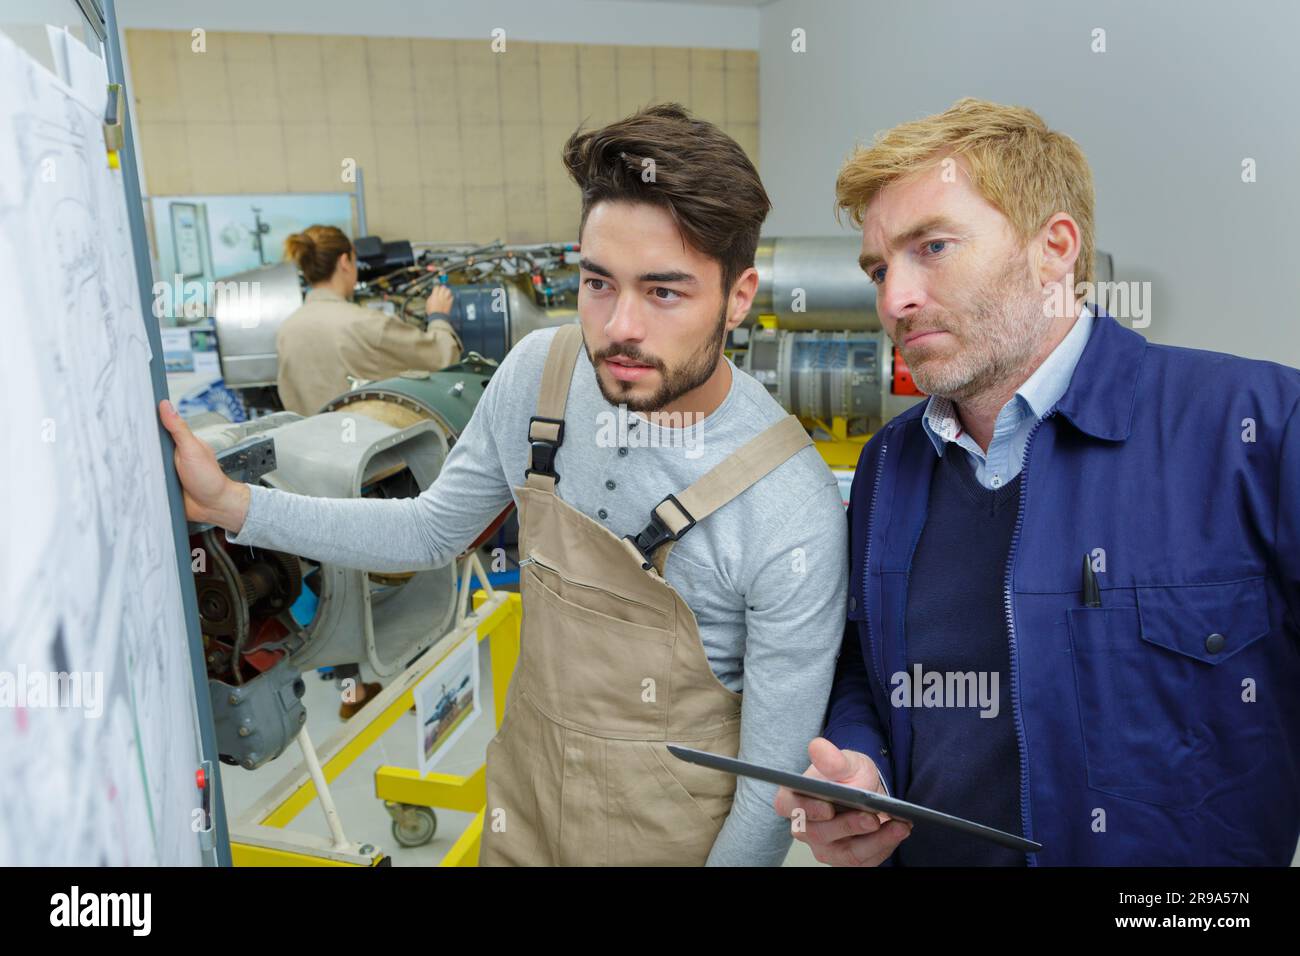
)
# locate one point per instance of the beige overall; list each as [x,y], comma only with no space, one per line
[610,669]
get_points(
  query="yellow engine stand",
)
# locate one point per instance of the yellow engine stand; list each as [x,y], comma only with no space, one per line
[260,837]
[449,791]
[841,450]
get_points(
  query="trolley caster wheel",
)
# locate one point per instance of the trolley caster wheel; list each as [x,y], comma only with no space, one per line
[413,826]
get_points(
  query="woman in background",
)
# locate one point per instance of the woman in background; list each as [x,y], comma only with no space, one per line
[329,338]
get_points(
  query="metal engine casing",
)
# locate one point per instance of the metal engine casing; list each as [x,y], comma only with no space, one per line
[256,721]
[336,455]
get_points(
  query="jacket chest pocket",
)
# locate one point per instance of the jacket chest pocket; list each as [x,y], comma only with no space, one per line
[1160,690]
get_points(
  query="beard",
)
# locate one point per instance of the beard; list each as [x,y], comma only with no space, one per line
[675,382]
[997,338]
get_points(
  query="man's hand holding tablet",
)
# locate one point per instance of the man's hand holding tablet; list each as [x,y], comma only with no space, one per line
[846,837]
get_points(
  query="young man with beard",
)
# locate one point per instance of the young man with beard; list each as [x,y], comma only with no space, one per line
[1110,527]
[685,586]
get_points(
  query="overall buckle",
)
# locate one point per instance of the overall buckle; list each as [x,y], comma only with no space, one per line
[543,449]
[657,532]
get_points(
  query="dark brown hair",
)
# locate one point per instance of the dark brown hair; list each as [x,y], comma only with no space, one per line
[316,251]
[701,176]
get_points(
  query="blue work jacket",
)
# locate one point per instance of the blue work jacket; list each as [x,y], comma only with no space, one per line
[1162,728]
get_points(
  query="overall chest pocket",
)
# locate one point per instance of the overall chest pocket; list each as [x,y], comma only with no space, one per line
[1160,690]
[578,594]
[585,655]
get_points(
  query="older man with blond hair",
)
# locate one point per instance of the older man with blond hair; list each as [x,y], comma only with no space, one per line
[1104,530]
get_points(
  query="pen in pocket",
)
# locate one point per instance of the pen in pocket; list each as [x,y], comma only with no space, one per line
[1091,592]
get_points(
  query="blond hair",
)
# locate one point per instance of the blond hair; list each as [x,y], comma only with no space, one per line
[1027,171]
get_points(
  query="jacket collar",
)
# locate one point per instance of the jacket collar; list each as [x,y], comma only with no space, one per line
[322,294]
[1103,390]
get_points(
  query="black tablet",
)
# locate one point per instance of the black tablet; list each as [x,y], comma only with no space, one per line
[852,798]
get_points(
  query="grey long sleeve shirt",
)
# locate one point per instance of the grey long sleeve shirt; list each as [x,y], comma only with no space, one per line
[765,575]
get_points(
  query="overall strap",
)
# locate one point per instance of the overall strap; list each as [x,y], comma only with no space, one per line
[677,514]
[546,427]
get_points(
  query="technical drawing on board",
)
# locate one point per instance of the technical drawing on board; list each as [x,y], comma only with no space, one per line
[99,737]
